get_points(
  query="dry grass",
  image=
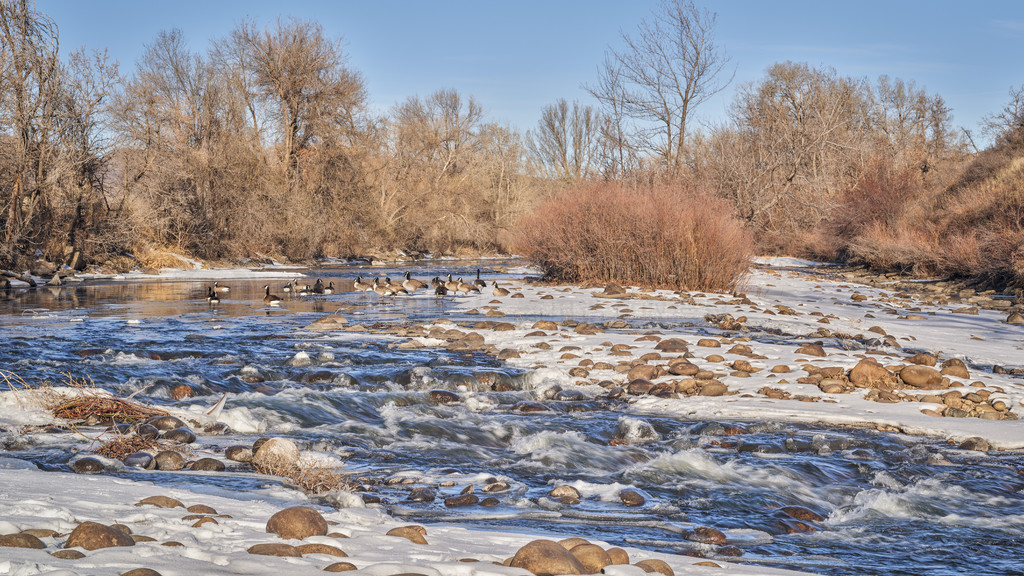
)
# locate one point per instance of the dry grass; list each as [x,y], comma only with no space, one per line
[160,259]
[312,477]
[122,445]
[664,236]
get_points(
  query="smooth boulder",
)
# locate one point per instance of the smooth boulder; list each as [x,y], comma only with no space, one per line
[93,536]
[297,522]
[547,558]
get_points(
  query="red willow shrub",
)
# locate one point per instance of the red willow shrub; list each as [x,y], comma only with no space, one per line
[663,236]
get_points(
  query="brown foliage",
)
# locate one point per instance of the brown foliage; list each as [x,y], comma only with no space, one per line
[664,236]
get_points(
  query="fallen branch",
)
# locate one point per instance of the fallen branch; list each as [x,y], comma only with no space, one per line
[23,277]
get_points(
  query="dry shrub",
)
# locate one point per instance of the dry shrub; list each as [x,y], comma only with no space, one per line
[311,476]
[881,196]
[903,250]
[663,236]
[122,445]
[92,404]
[159,259]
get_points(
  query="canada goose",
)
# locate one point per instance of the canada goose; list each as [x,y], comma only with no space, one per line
[466,287]
[361,286]
[318,286]
[439,289]
[499,292]
[212,297]
[305,290]
[411,284]
[478,281]
[288,287]
[270,299]
[395,289]
[451,285]
[329,289]
[218,288]
[379,288]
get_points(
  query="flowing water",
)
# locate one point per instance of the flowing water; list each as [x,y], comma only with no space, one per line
[892,504]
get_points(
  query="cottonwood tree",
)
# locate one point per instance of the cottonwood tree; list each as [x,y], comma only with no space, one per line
[29,91]
[660,75]
[566,144]
[297,76]
[800,135]
[436,140]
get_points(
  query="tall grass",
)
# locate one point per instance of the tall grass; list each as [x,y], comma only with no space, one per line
[661,236]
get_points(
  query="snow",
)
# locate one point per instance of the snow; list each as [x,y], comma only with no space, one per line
[58,501]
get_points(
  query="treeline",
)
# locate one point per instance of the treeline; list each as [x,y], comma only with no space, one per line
[264,144]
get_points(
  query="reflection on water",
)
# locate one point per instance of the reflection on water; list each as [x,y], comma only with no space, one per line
[888,504]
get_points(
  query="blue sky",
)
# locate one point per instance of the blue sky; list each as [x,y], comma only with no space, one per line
[516,56]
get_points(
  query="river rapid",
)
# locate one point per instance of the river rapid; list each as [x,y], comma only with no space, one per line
[890,504]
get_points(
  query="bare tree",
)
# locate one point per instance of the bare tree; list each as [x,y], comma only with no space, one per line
[801,140]
[566,143]
[1007,120]
[29,88]
[299,74]
[671,66]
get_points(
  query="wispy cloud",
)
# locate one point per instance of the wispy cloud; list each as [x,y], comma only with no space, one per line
[1013,26]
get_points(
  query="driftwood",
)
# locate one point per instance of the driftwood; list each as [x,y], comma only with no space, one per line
[23,277]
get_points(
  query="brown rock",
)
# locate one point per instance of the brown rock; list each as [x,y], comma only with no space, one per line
[414,534]
[181,391]
[707,535]
[683,368]
[208,465]
[618,556]
[811,350]
[93,536]
[274,549]
[321,549]
[169,460]
[21,540]
[238,453]
[713,388]
[632,498]
[141,572]
[275,453]
[68,554]
[955,367]
[297,522]
[923,359]
[592,557]
[709,343]
[566,494]
[570,543]
[921,377]
[640,386]
[655,566]
[201,509]
[443,396]
[545,325]
[462,500]
[744,366]
[780,369]
[1015,319]
[867,373]
[642,371]
[340,567]
[673,345]
[801,513]
[547,558]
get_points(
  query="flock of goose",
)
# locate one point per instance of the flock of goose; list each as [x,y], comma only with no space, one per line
[384,288]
